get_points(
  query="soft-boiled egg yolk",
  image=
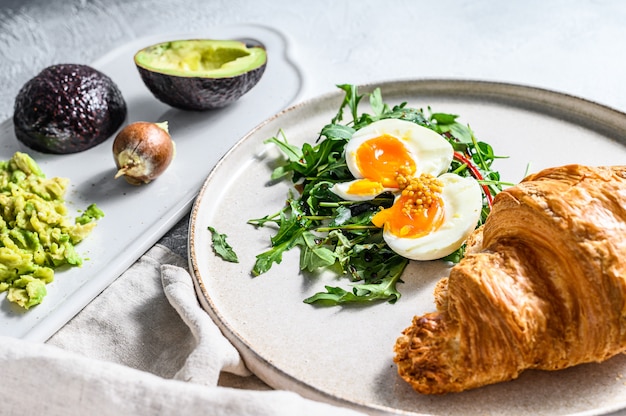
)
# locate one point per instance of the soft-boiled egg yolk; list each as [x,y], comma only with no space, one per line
[381,158]
[417,211]
[365,187]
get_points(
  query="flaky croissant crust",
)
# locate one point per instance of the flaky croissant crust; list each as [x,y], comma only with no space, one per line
[543,286]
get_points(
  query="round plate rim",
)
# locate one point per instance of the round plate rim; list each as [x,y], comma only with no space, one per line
[576,110]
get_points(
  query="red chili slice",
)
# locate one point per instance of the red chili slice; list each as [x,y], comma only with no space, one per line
[476,173]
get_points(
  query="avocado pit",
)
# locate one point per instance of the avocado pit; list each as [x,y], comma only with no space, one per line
[143,151]
[200,74]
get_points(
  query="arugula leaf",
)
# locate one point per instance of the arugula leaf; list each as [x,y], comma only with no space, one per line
[337,131]
[312,255]
[292,224]
[377,104]
[264,261]
[351,100]
[221,247]
[292,152]
[384,290]
[444,118]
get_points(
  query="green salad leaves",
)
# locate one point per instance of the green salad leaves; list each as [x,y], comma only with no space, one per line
[336,234]
[221,246]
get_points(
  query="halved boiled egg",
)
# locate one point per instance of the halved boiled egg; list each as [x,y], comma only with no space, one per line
[376,153]
[431,217]
[434,212]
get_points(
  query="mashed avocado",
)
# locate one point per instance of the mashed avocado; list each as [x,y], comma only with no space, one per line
[36,233]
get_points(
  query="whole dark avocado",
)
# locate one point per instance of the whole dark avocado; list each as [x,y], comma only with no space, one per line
[68,108]
[200,74]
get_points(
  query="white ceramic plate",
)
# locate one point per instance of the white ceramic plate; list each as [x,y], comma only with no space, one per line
[344,355]
[136,217]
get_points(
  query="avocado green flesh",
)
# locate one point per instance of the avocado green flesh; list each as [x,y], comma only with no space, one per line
[37,235]
[201,58]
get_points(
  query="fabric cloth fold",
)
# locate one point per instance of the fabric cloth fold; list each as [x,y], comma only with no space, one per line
[43,379]
[213,352]
[142,347]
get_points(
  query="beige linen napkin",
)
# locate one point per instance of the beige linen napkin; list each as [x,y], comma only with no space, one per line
[143,347]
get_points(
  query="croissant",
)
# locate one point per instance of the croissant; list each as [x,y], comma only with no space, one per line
[542,286]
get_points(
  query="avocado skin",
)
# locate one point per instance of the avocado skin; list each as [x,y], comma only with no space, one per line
[68,108]
[199,93]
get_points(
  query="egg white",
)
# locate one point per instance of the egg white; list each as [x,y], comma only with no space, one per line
[430,151]
[462,199]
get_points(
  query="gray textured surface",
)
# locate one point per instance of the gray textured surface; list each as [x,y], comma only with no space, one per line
[569,46]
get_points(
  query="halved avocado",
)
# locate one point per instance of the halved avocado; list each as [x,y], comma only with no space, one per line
[68,108]
[200,74]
